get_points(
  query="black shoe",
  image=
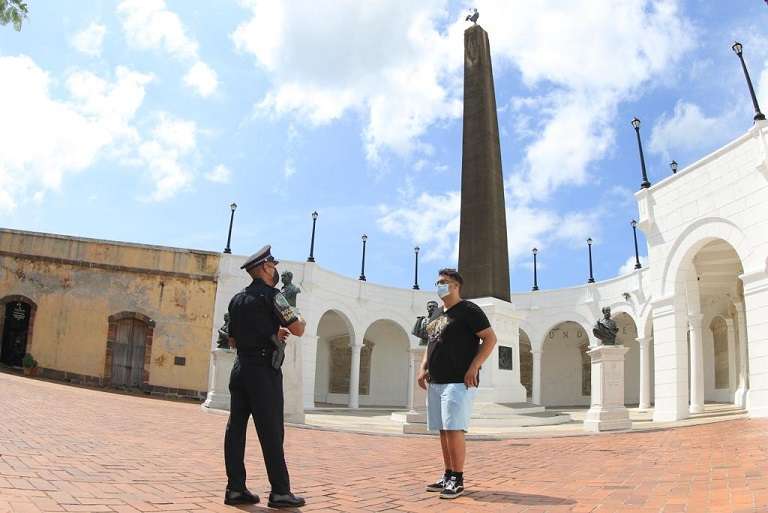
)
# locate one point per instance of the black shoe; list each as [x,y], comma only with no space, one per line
[438,485]
[454,487]
[233,497]
[286,500]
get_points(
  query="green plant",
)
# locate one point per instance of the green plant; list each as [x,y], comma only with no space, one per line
[28,362]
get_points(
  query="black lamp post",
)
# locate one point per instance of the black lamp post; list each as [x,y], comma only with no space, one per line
[738,48]
[535,275]
[591,276]
[637,254]
[416,269]
[312,244]
[673,165]
[636,125]
[362,269]
[232,207]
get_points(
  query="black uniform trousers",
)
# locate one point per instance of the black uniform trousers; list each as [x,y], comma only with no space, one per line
[256,389]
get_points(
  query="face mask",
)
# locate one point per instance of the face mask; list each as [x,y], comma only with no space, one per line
[443,290]
[275,278]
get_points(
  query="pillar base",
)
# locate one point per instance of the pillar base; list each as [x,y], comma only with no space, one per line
[607,419]
[696,409]
[218,393]
[740,397]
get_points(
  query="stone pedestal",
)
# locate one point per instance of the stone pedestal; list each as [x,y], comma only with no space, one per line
[222,361]
[415,419]
[607,411]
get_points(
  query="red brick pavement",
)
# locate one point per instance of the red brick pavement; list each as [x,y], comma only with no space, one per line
[71,449]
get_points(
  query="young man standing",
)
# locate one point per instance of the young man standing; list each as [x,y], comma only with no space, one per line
[450,374]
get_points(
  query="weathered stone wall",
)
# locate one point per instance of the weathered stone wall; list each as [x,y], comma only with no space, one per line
[77,284]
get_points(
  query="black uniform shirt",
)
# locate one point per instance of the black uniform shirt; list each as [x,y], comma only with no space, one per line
[255,314]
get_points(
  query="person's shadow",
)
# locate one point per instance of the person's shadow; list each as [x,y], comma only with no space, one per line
[498,496]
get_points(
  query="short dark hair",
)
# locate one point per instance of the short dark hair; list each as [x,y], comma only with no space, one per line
[452,274]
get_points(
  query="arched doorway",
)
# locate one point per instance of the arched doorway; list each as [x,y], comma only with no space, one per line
[526,364]
[566,366]
[333,359]
[388,365]
[17,323]
[129,350]
[627,336]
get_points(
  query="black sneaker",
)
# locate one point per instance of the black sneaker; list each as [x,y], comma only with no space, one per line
[234,497]
[453,488]
[438,486]
[287,500]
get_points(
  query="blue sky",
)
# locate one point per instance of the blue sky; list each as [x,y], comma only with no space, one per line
[142,120]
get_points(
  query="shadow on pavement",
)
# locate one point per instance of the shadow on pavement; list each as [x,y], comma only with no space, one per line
[492,496]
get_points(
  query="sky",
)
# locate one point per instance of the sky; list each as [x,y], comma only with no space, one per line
[143,120]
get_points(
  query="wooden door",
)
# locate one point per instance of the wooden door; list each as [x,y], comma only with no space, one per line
[128,353]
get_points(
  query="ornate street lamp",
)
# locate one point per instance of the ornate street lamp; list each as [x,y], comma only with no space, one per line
[637,254]
[738,48]
[535,275]
[591,276]
[312,244]
[232,207]
[673,165]
[416,269]
[362,268]
[636,125]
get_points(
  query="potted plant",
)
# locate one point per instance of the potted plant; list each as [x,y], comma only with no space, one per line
[30,365]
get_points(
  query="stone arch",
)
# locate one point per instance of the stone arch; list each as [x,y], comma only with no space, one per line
[335,332]
[12,298]
[114,334]
[386,364]
[627,336]
[691,240]
[348,319]
[565,367]
[574,317]
[526,361]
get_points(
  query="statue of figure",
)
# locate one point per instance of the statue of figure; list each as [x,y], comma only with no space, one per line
[606,328]
[223,342]
[420,328]
[290,291]
[474,16]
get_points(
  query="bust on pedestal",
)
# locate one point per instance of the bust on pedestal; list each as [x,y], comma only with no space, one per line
[222,360]
[607,411]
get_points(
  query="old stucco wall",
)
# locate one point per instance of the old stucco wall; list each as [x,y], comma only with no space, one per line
[78,283]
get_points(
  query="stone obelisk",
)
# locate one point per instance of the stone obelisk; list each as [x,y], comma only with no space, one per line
[483,258]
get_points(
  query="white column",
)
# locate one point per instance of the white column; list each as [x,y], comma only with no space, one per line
[645,372]
[697,364]
[731,330]
[740,398]
[536,371]
[309,366]
[670,359]
[412,365]
[354,376]
[756,312]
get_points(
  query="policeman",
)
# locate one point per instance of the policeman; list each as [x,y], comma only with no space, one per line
[257,315]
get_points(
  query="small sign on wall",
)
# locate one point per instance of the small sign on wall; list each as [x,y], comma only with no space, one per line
[505,358]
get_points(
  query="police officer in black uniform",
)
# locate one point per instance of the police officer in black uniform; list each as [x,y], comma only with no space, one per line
[259,316]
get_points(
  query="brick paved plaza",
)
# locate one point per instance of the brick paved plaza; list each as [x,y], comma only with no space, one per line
[70,449]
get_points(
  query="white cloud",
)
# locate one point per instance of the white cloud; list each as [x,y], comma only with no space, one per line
[579,59]
[42,138]
[689,131]
[90,39]
[629,265]
[290,168]
[149,24]
[219,174]
[202,79]
[164,156]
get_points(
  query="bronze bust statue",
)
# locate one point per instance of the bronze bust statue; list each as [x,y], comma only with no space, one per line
[289,290]
[223,342]
[606,328]
[420,328]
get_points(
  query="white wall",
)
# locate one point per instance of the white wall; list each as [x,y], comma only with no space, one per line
[561,364]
